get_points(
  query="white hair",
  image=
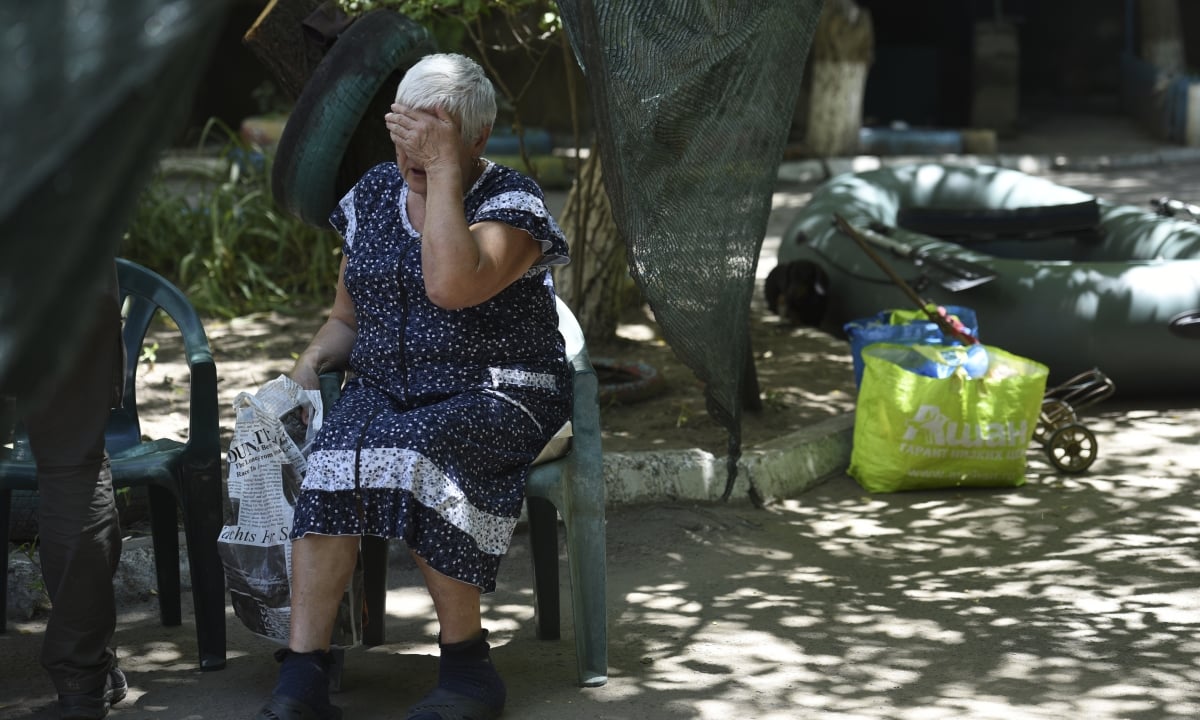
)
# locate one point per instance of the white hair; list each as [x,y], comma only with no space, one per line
[457,84]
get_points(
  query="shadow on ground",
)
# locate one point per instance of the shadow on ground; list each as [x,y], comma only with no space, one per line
[1068,597]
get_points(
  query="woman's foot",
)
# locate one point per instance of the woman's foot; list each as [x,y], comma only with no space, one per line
[302,692]
[282,707]
[469,688]
[441,704]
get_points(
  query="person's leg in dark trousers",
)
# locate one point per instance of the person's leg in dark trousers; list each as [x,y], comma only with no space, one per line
[79,537]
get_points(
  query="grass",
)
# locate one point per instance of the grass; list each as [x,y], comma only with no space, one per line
[212,227]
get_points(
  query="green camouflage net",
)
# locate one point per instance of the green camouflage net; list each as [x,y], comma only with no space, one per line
[693,101]
[91,93]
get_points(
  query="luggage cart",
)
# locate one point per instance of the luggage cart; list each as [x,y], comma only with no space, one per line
[1070,446]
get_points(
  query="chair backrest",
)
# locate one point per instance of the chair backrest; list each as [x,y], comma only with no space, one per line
[569,328]
[143,293]
[585,411]
[560,445]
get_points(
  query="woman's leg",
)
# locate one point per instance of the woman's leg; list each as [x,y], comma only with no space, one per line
[456,603]
[321,569]
[467,681]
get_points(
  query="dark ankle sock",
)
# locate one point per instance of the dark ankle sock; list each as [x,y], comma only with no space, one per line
[466,668]
[304,677]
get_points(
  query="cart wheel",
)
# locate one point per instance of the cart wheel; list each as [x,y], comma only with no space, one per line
[1055,414]
[1072,449]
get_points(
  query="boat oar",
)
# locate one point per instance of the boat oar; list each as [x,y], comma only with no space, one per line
[952,273]
[950,327]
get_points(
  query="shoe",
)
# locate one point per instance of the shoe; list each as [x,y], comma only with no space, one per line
[282,707]
[448,705]
[94,705]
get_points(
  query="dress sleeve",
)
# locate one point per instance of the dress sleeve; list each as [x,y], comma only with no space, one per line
[344,219]
[352,206]
[519,202]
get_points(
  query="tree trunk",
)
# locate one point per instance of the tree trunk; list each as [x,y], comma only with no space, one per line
[596,283]
[835,113]
[996,76]
[1162,38]
[290,37]
[842,50]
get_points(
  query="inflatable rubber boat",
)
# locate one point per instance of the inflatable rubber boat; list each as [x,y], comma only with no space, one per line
[1053,274]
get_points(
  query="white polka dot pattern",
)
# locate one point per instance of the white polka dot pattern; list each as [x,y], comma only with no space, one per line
[391,468]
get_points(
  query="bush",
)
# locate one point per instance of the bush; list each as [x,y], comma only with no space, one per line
[211,226]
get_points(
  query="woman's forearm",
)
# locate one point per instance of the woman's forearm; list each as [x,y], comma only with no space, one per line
[329,348]
[450,256]
[466,265]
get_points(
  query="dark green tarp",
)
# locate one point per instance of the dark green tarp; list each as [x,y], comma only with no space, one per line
[90,92]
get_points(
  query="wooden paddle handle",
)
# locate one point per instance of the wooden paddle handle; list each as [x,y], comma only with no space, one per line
[942,322]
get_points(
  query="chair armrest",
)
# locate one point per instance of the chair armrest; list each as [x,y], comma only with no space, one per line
[331,387]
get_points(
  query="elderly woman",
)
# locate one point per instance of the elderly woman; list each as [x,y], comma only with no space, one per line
[445,314]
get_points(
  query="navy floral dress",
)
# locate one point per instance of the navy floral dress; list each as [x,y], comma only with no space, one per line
[433,436]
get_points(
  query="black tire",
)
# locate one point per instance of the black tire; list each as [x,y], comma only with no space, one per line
[625,383]
[335,132]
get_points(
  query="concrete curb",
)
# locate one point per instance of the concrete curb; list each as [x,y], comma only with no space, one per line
[817,170]
[783,467]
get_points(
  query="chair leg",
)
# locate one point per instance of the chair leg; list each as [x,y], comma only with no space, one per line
[586,556]
[164,529]
[543,541]
[337,669]
[201,501]
[375,571]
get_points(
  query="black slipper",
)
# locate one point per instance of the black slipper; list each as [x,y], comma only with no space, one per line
[448,705]
[282,707]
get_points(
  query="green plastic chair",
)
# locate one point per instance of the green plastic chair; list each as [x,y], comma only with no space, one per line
[177,476]
[567,479]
